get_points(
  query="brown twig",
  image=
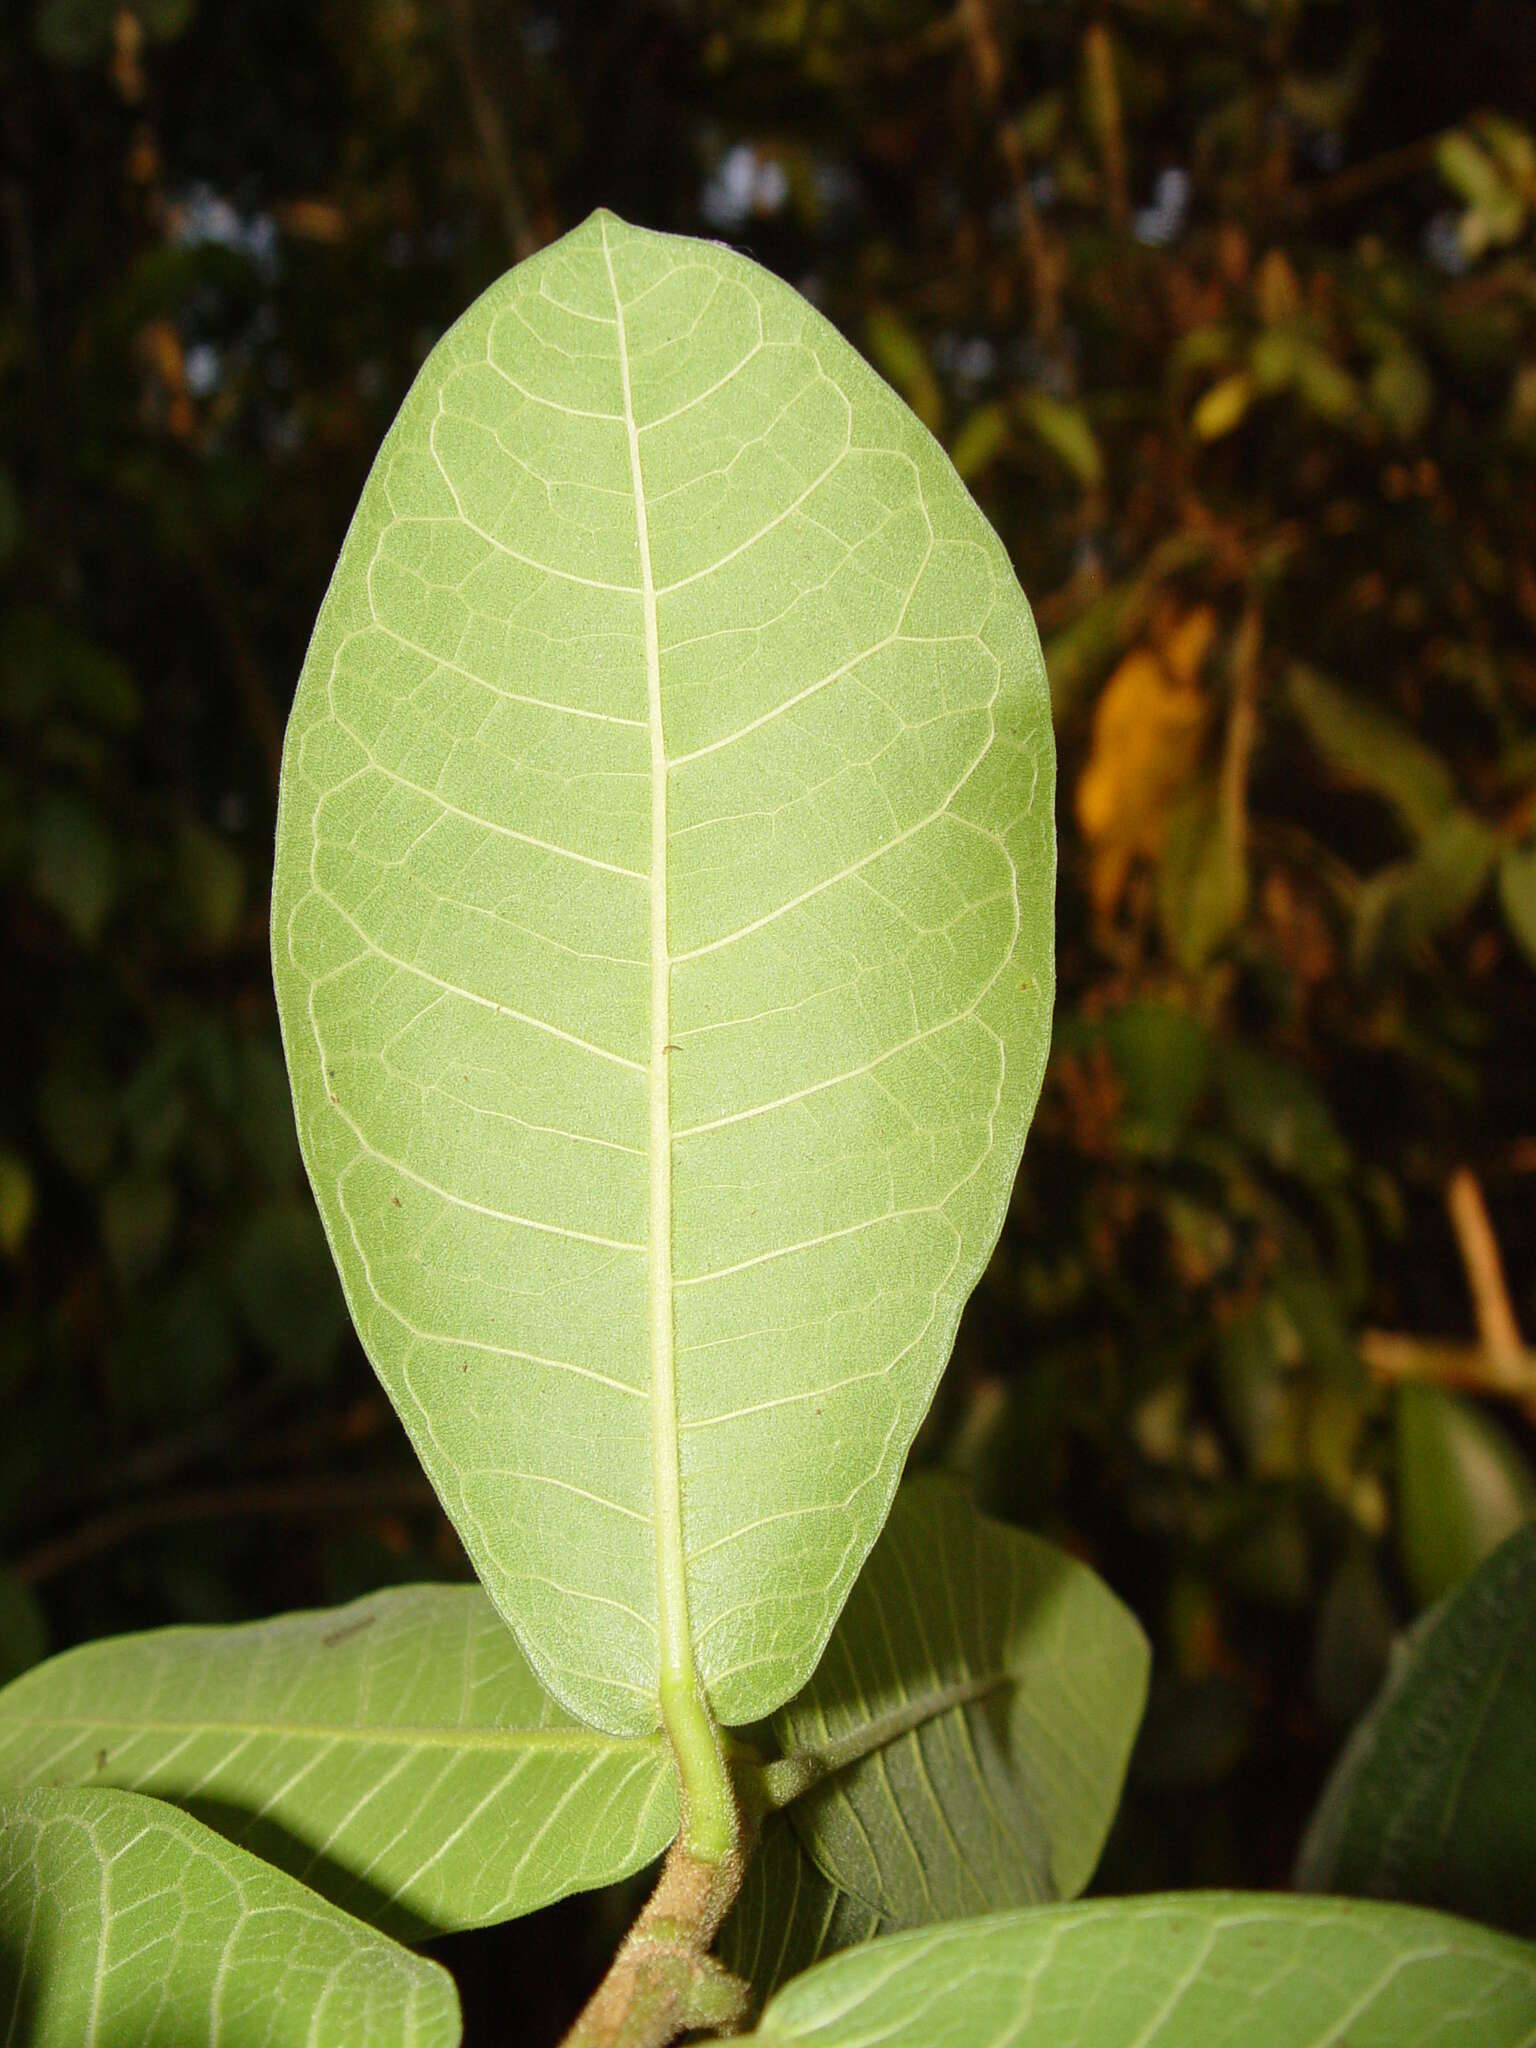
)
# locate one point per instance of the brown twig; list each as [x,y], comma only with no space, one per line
[297,1500]
[1103,96]
[1479,1248]
[664,1982]
[975,20]
[1360,179]
[491,133]
[1242,733]
[1393,1355]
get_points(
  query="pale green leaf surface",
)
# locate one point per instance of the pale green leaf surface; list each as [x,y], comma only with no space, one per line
[397,1753]
[1434,1798]
[1201,1970]
[1026,1679]
[787,1915]
[662,933]
[127,1924]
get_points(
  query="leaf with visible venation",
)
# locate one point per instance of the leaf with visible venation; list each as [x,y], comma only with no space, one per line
[127,1924]
[976,1707]
[1203,1970]
[787,1915]
[1434,1798]
[396,1753]
[662,932]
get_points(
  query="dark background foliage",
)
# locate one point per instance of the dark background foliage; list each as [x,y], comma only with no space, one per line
[1227,311]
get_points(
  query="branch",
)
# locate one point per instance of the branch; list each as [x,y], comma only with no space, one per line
[1479,1248]
[315,1499]
[664,1982]
[975,20]
[1242,732]
[1441,1362]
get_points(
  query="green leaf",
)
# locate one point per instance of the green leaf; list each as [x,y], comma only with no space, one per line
[1223,408]
[1405,907]
[900,354]
[212,879]
[285,1289]
[1434,1798]
[1065,430]
[1273,1108]
[1517,895]
[1202,881]
[1184,1971]
[77,31]
[1403,391]
[1462,1488]
[976,1707]
[982,435]
[1369,747]
[1495,210]
[1162,1056]
[75,865]
[662,931]
[18,1202]
[23,1626]
[397,1753]
[787,1915]
[126,1924]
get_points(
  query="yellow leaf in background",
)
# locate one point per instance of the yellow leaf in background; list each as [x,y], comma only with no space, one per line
[1148,727]
[1223,406]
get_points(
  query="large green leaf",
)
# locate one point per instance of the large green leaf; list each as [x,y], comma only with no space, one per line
[662,931]
[127,1924]
[1434,1798]
[787,1915]
[397,1753]
[1462,1487]
[977,1703]
[1205,1970]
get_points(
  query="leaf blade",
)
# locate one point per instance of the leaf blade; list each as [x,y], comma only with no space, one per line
[788,1915]
[1184,1969]
[858,975]
[1434,1798]
[396,1753]
[1000,1798]
[126,1920]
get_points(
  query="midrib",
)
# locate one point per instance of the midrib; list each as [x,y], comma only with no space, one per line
[677,1671]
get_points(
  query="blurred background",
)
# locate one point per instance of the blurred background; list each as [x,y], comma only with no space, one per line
[1226,310]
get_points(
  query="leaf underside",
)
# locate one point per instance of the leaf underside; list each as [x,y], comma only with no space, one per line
[398,1754]
[662,936]
[127,1924]
[787,1915]
[1003,1798]
[1434,1798]
[1204,1970]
